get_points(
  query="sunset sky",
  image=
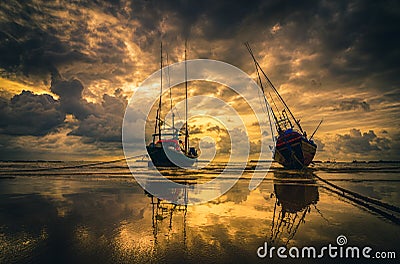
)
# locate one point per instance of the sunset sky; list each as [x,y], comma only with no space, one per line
[67,68]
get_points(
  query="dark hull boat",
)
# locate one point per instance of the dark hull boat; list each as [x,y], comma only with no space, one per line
[170,152]
[166,154]
[292,149]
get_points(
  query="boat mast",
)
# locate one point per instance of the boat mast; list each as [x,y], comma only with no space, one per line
[160,102]
[186,106]
[281,99]
[273,87]
[170,99]
[267,108]
[158,114]
[264,95]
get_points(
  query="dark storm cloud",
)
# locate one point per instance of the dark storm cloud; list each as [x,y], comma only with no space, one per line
[354,104]
[106,124]
[38,115]
[221,19]
[97,122]
[33,51]
[364,143]
[350,38]
[359,38]
[36,42]
[30,114]
[314,46]
[70,92]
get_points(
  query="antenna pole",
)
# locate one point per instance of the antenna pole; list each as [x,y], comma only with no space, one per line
[316,129]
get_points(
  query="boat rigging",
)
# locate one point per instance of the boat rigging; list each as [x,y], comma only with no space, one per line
[292,149]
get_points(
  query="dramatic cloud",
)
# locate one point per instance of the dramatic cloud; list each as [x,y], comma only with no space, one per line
[333,60]
[30,114]
[31,50]
[71,100]
[106,123]
[362,143]
[98,122]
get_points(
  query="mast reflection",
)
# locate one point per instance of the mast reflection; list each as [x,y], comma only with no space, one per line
[164,211]
[295,194]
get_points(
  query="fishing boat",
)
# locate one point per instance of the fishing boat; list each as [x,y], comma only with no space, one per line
[293,149]
[166,148]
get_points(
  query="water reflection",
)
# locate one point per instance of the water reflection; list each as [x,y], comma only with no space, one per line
[290,198]
[163,212]
[294,194]
[106,220]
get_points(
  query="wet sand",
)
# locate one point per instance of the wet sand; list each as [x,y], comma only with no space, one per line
[100,214]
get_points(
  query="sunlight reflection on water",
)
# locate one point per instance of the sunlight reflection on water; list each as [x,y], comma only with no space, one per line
[102,215]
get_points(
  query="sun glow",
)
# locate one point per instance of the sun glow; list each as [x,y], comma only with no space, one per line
[10,88]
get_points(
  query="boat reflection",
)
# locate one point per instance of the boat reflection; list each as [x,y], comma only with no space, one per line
[295,194]
[164,211]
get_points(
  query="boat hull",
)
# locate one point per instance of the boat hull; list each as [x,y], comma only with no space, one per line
[294,151]
[159,157]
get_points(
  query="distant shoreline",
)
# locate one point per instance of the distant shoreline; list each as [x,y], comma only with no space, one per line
[328,161]
[261,161]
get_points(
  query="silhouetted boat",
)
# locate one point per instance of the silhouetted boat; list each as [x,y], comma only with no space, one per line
[170,152]
[292,148]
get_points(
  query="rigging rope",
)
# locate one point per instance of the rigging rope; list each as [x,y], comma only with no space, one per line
[76,166]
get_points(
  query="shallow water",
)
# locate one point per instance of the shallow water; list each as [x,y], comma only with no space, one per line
[101,214]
